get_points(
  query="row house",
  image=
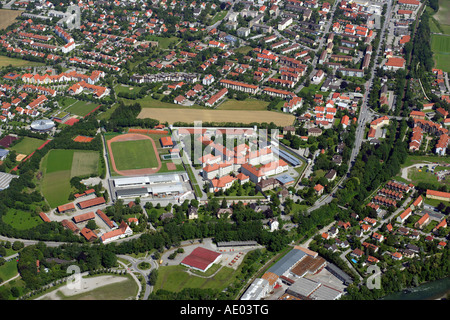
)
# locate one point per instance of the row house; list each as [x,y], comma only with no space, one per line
[398,186]
[240,86]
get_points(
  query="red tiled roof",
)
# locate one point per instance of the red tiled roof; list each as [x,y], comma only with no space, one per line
[200,258]
[91,203]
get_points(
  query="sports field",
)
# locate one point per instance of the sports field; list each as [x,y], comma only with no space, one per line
[59,166]
[218,116]
[137,154]
[440,45]
[81,108]
[27,145]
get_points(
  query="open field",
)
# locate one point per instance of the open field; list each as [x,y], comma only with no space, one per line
[218,116]
[164,42]
[106,287]
[84,163]
[21,220]
[27,145]
[6,61]
[248,104]
[443,15]
[7,17]
[149,102]
[59,166]
[417,175]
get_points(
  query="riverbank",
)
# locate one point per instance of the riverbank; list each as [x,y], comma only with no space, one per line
[434,290]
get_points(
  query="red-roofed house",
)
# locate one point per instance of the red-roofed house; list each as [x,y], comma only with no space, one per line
[166,142]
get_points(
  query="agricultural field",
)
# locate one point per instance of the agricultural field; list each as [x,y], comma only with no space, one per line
[440,45]
[248,104]
[59,166]
[149,102]
[7,17]
[218,116]
[27,145]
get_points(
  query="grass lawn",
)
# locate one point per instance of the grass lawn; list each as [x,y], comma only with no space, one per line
[244,49]
[130,89]
[410,160]
[219,16]
[66,101]
[21,220]
[6,61]
[129,154]
[8,270]
[175,279]
[417,176]
[59,166]
[107,114]
[82,108]
[27,145]
[163,42]
[247,104]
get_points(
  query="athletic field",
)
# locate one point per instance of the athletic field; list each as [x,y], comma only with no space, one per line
[138,154]
[440,45]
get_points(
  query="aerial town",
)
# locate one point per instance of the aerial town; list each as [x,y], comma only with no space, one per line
[224,150]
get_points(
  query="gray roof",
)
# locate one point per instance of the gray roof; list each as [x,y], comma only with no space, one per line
[5,179]
[287,262]
[285,178]
[3,152]
[325,293]
[304,287]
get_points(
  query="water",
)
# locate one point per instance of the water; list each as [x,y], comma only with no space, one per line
[428,291]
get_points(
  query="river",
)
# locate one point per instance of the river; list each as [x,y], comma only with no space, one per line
[427,291]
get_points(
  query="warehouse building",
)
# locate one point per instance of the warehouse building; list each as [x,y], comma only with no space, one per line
[158,191]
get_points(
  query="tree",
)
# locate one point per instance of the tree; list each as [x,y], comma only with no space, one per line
[153,277]
[17,245]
